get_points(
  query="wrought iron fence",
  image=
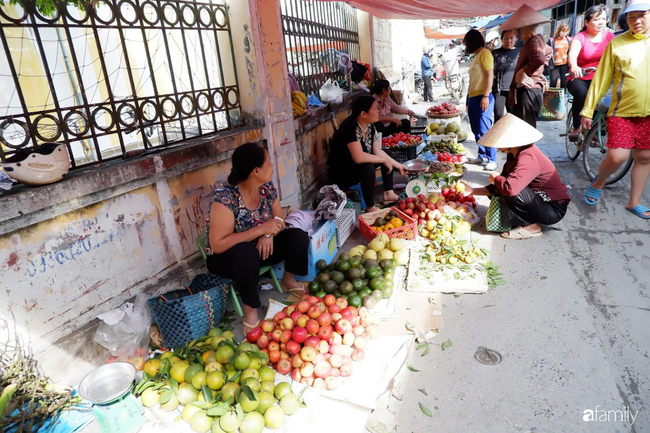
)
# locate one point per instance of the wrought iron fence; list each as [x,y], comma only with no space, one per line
[116,77]
[316,33]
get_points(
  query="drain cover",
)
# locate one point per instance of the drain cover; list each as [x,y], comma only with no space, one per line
[487,356]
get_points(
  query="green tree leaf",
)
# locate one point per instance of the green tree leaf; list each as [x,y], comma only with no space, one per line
[446,344]
[425,410]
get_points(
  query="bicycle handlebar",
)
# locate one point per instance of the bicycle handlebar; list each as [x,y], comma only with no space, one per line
[585,71]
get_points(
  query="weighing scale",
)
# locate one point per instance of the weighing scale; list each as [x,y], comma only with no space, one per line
[418,183]
[109,389]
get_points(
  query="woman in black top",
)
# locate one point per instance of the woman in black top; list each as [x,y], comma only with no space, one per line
[355,153]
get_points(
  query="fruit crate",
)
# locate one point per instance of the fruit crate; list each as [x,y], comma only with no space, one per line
[344,226]
[408,231]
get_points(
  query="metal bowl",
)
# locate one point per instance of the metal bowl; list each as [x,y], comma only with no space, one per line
[107,383]
[417,166]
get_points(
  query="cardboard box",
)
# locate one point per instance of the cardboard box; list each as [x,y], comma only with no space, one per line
[322,245]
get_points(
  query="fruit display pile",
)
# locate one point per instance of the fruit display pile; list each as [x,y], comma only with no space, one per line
[441,128]
[449,145]
[442,110]
[298,103]
[222,385]
[401,140]
[449,158]
[364,275]
[317,339]
[389,222]
[424,208]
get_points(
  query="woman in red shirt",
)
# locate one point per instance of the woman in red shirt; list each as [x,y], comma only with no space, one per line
[529,186]
[585,52]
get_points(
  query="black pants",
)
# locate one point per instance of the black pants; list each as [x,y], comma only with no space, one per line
[428,89]
[559,72]
[579,89]
[529,103]
[365,175]
[528,208]
[391,129]
[500,105]
[242,262]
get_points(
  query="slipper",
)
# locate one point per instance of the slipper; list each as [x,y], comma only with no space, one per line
[592,193]
[389,203]
[520,233]
[300,289]
[249,326]
[639,210]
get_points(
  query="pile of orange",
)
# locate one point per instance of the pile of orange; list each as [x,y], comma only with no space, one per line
[393,223]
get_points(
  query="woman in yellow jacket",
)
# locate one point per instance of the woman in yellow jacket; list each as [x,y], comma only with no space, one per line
[626,61]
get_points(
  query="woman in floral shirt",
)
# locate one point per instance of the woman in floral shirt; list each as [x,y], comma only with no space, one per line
[245,230]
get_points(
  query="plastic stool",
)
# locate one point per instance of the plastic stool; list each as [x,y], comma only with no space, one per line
[200,242]
[357,188]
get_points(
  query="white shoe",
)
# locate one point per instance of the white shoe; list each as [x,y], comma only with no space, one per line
[490,166]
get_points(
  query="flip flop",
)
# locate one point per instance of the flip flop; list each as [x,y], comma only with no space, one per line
[639,210]
[300,289]
[249,326]
[520,233]
[592,193]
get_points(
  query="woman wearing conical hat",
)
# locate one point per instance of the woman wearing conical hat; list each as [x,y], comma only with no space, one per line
[527,89]
[529,186]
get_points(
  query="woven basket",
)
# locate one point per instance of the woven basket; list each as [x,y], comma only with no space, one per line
[186,314]
[554,105]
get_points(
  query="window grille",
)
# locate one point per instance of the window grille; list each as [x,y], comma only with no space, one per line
[316,33]
[116,78]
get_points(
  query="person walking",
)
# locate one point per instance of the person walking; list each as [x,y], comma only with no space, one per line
[480,102]
[505,60]
[626,62]
[527,88]
[559,64]
[427,74]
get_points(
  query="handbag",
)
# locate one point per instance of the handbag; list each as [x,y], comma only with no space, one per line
[553,104]
[493,222]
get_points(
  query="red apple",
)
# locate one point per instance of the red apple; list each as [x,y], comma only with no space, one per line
[296,361]
[313,299]
[299,334]
[307,381]
[274,345]
[358,355]
[283,346]
[346,313]
[355,311]
[284,355]
[303,306]
[410,207]
[334,308]
[312,341]
[293,348]
[276,334]
[324,319]
[409,212]
[285,337]
[290,309]
[267,326]
[321,305]
[422,222]
[322,369]
[255,334]
[360,343]
[286,324]
[279,316]
[336,339]
[335,360]
[343,327]
[263,341]
[314,311]
[358,330]
[323,348]
[336,317]
[318,383]
[283,366]
[348,339]
[274,356]
[312,327]
[329,300]
[294,316]
[295,374]
[346,370]
[302,320]
[342,302]
[325,332]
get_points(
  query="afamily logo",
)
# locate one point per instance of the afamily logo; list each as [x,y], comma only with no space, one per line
[600,415]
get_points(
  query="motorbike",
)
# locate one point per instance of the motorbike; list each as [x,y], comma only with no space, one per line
[419,83]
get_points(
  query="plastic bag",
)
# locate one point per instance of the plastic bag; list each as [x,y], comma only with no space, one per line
[331,92]
[125,332]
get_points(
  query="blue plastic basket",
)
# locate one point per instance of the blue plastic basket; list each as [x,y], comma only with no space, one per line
[186,314]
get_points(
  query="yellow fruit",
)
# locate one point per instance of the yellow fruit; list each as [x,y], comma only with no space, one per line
[242,361]
[201,422]
[171,404]
[229,422]
[213,366]
[274,417]
[224,353]
[187,393]
[267,386]
[229,390]
[247,404]
[282,389]
[266,401]
[215,380]
[189,411]
[230,374]
[150,397]
[199,379]
[252,383]
[191,371]
[209,356]
[152,366]
[215,331]
[167,354]
[177,372]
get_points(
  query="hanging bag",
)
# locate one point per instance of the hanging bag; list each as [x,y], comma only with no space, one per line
[493,218]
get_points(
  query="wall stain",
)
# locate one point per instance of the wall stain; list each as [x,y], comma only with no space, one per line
[13,259]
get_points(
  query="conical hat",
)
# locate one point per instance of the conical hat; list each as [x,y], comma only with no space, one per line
[510,131]
[524,16]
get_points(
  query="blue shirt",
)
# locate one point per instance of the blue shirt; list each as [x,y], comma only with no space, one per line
[427,70]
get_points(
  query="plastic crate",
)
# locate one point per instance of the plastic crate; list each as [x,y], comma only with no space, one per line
[403,155]
[344,226]
[408,231]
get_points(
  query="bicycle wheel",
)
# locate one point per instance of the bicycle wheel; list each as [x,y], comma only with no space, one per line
[594,150]
[572,147]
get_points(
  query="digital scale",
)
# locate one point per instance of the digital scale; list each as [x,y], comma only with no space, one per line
[108,387]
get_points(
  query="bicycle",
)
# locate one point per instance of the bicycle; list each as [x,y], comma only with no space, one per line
[573,142]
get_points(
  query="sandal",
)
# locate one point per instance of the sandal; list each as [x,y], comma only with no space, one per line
[250,327]
[593,193]
[639,210]
[295,290]
[520,233]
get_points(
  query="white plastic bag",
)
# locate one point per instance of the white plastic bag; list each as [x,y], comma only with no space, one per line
[331,92]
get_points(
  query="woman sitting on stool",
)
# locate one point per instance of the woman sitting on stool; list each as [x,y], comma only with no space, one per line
[355,152]
[387,124]
[245,230]
[529,185]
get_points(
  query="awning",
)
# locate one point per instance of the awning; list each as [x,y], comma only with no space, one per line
[480,24]
[497,21]
[449,33]
[428,9]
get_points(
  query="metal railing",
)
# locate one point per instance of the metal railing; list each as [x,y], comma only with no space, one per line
[316,33]
[117,78]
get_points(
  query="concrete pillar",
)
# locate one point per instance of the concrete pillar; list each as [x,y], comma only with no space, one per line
[275,96]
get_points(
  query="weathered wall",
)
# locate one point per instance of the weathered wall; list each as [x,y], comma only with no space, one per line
[383,43]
